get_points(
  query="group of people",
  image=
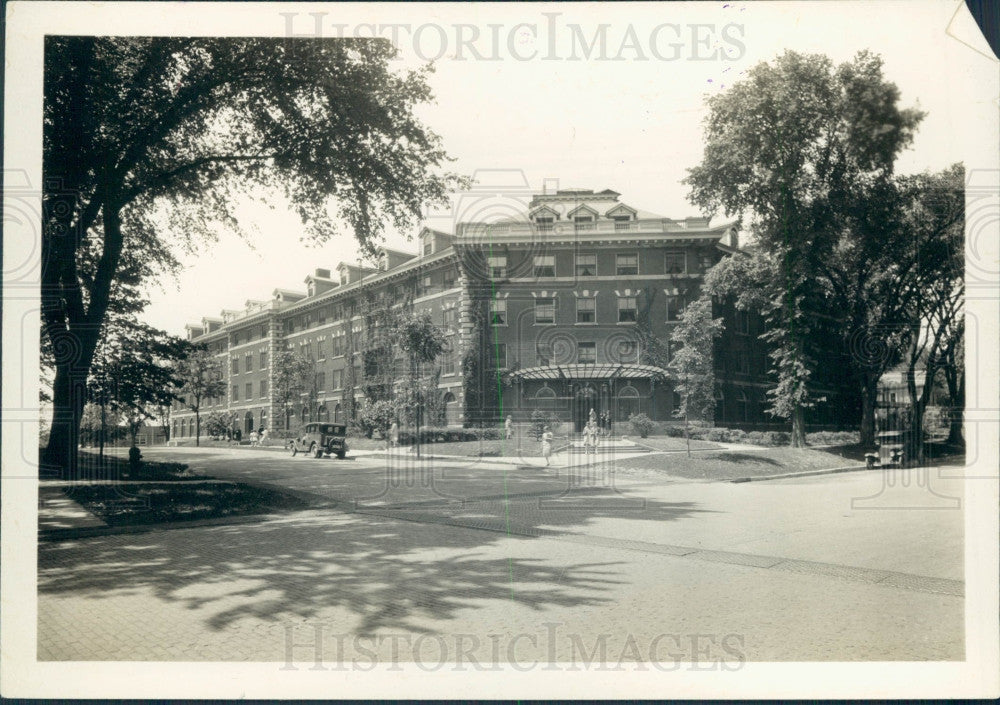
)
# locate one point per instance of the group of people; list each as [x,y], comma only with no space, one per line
[258,437]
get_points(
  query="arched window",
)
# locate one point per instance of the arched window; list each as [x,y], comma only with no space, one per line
[742,407]
[174,429]
[450,408]
[289,418]
[248,422]
[628,402]
[306,416]
[336,413]
[322,413]
[263,418]
[545,398]
[180,433]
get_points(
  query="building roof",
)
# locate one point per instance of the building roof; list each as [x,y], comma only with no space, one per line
[595,371]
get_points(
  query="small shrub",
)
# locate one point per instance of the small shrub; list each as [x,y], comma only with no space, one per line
[539,420]
[641,425]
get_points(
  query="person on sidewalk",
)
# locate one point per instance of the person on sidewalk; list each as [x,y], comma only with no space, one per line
[253,438]
[590,438]
[393,434]
[546,444]
[263,436]
[508,427]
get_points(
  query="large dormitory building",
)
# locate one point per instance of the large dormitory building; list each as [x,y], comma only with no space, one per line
[551,301]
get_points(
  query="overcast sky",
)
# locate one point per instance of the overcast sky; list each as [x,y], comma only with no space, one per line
[631,125]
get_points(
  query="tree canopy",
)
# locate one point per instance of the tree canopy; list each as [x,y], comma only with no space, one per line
[803,153]
[150,141]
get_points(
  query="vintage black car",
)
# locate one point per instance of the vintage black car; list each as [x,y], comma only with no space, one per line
[893,447]
[321,438]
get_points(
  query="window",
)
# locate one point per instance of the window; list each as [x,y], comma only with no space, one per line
[706,262]
[545,310]
[320,350]
[544,223]
[450,277]
[236,365]
[448,364]
[500,355]
[583,219]
[586,353]
[249,389]
[338,379]
[450,316]
[742,362]
[263,331]
[628,312]
[743,322]
[263,359]
[586,309]
[586,265]
[543,352]
[498,312]
[545,265]
[321,381]
[338,344]
[675,306]
[263,388]
[621,222]
[674,262]
[236,392]
[626,265]
[248,362]
[428,246]
[497,266]
[625,351]
[546,398]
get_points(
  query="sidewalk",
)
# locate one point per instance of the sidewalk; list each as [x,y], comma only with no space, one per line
[57,511]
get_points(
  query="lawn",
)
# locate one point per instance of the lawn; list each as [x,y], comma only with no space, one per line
[672,443]
[730,465]
[161,492]
[130,504]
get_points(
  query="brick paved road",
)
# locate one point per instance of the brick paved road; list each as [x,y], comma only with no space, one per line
[769,571]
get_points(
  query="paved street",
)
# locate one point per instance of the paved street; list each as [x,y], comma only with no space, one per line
[494,561]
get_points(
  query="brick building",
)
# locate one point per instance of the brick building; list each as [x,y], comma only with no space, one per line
[546,310]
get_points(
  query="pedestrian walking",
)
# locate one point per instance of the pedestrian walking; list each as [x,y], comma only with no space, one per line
[253,438]
[263,436]
[393,434]
[546,444]
[604,423]
[508,427]
[590,438]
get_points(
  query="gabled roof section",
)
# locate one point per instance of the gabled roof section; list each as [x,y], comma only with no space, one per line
[582,209]
[544,210]
[621,209]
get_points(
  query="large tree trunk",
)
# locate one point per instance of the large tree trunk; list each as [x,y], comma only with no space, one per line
[869,398]
[798,439]
[956,407]
[72,329]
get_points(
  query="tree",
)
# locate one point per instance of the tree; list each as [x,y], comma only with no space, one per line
[294,375]
[802,151]
[149,141]
[692,365]
[934,293]
[219,423]
[201,378]
[421,341]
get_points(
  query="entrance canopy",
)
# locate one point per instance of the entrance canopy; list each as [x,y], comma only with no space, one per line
[604,371]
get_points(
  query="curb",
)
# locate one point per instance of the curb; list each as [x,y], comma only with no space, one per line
[808,473]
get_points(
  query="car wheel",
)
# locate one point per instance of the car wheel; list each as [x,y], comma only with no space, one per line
[312,450]
[340,456]
[319,451]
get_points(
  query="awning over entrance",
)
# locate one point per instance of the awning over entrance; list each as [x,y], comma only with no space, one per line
[606,371]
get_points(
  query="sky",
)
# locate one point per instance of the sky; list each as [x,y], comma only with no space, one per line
[563,119]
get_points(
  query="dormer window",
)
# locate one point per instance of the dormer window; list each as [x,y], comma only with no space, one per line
[345,277]
[544,223]
[311,289]
[583,219]
[428,246]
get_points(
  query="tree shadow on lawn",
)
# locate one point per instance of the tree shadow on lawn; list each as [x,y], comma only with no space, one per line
[387,573]
[741,458]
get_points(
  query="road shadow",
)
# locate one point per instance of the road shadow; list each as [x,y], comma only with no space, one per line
[384,571]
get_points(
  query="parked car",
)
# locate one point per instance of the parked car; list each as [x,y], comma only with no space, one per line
[893,448]
[321,438]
